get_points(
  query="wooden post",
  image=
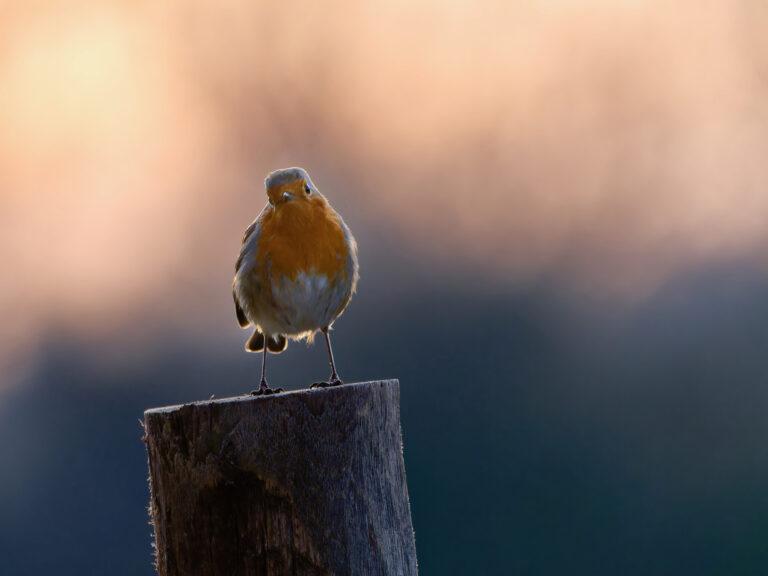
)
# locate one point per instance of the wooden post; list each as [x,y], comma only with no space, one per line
[310,482]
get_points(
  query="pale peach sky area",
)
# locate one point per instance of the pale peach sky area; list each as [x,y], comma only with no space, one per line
[609,145]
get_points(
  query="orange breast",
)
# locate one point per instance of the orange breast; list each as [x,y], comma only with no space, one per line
[303,236]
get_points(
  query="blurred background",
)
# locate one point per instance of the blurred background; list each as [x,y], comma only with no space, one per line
[562,215]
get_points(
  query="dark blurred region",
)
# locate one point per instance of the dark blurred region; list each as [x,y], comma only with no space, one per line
[540,437]
[561,216]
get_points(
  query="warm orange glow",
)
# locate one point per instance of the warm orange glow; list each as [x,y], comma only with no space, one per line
[608,144]
[309,223]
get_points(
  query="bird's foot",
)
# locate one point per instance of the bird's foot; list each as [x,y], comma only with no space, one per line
[333,381]
[265,390]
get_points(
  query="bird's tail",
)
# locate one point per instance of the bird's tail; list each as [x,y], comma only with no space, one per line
[275,344]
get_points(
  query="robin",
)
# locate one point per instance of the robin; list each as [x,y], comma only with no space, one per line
[297,270]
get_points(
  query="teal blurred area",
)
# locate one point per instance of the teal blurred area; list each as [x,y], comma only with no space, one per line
[560,208]
[545,439]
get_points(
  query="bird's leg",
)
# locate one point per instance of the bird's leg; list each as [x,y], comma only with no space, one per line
[263,386]
[334,380]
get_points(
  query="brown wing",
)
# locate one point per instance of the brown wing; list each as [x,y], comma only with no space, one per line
[241,317]
[246,235]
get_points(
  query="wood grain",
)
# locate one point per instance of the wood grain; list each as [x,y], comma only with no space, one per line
[310,482]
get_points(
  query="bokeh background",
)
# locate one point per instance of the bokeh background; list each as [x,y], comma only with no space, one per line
[562,215]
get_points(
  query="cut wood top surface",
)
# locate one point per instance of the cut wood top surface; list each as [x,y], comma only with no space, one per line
[272,397]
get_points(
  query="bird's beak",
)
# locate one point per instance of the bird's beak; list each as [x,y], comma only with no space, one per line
[286,197]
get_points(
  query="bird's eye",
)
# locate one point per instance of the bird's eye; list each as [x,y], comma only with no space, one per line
[307,189]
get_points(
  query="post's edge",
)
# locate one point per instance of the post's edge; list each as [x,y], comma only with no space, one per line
[161,410]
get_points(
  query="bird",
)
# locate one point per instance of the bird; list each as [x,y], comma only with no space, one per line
[297,270]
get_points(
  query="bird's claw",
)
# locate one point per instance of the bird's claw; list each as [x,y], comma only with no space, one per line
[265,390]
[327,384]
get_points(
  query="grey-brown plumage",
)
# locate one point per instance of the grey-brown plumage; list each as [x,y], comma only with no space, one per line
[275,344]
[241,319]
[297,269]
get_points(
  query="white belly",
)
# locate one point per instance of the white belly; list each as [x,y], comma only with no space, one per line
[302,306]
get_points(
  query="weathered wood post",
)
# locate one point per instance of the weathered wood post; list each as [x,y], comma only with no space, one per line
[310,482]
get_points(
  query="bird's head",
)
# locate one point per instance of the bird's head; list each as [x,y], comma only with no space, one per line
[291,186]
